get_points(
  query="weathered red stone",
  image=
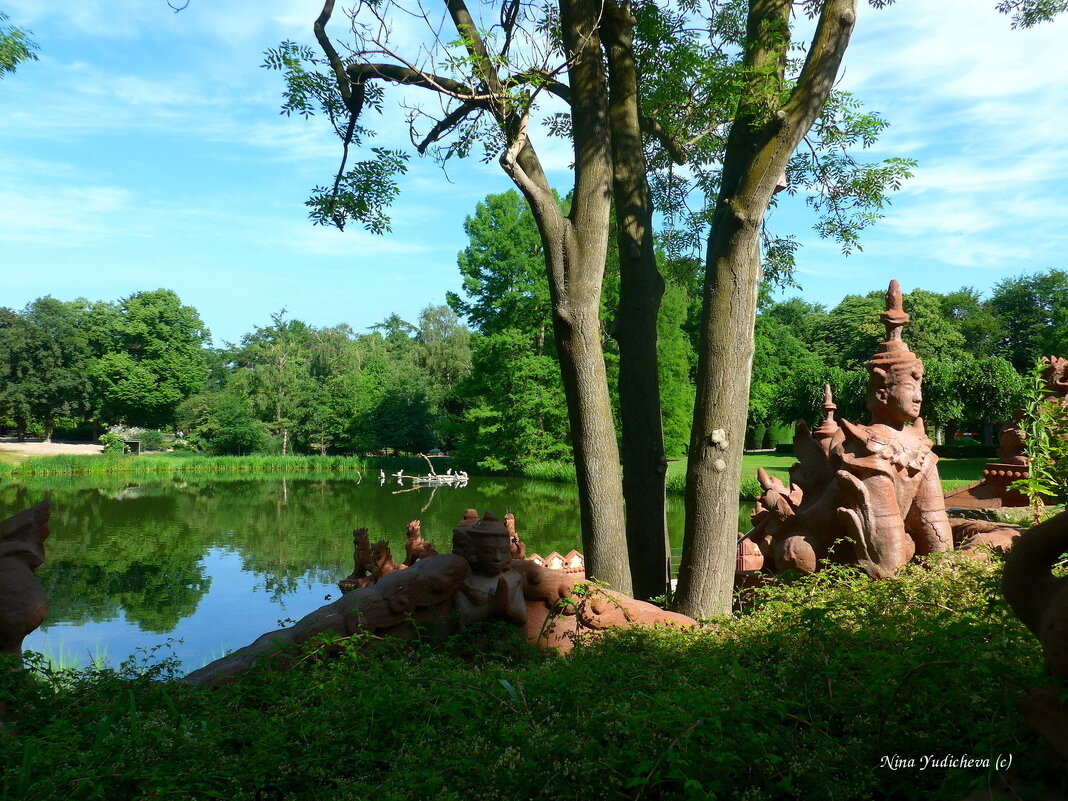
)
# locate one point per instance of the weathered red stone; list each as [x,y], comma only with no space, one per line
[23,602]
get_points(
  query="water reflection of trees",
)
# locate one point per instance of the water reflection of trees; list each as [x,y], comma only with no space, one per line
[135,545]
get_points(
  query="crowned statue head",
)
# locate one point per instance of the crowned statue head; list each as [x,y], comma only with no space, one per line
[485,543]
[895,373]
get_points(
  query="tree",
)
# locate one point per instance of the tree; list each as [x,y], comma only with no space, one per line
[978,324]
[150,357]
[503,269]
[771,119]
[15,46]
[45,351]
[272,373]
[1034,312]
[492,87]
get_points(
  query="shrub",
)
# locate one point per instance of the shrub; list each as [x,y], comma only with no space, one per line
[800,698]
[113,443]
[152,440]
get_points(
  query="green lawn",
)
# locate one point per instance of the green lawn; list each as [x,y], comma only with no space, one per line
[954,472]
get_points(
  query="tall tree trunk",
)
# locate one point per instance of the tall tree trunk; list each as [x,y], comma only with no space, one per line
[640,289]
[575,279]
[762,139]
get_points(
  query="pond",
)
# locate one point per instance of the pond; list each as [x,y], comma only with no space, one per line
[206,562]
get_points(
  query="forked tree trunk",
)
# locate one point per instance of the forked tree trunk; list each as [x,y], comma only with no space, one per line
[761,141]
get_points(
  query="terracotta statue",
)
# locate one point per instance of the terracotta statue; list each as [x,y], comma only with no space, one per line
[382,563]
[864,494]
[518,547]
[361,572]
[415,547]
[1040,599]
[478,581]
[492,590]
[993,491]
[23,603]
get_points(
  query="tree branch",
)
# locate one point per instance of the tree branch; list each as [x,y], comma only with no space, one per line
[443,126]
[331,54]
[410,76]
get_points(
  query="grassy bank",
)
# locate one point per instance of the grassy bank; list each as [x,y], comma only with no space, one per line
[174,463]
[805,697]
[954,472]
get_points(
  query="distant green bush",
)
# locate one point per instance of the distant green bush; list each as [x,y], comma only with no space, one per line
[114,445]
[152,440]
[806,696]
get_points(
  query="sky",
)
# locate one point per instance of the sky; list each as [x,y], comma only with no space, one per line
[145,149]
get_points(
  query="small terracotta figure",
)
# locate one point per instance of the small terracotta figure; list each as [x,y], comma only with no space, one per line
[23,603]
[415,546]
[361,557]
[875,487]
[382,563]
[492,590]
[518,547]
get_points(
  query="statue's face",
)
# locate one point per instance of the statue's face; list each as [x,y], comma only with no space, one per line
[491,555]
[901,400]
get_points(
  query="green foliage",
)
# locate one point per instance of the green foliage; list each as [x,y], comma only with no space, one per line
[152,440]
[1034,309]
[1028,13]
[113,444]
[151,358]
[43,356]
[15,46]
[171,463]
[1045,426]
[800,698]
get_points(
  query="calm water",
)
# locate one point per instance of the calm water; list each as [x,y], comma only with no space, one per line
[215,560]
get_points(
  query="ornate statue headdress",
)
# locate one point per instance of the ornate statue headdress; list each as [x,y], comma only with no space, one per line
[893,352]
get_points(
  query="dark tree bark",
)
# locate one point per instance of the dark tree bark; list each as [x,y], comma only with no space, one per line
[575,245]
[762,138]
[640,289]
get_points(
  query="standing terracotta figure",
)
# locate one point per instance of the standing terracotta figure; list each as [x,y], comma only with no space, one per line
[23,603]
[876,486]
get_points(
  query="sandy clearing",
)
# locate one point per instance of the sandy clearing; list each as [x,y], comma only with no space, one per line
[35,447]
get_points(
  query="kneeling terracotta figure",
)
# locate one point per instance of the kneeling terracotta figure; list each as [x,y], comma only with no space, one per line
[865,494]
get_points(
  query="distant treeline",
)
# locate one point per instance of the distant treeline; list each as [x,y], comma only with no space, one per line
[491,394]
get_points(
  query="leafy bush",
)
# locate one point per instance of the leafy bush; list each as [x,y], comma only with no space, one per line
[1045,426]
[113,443]
[152,440]
[800,698]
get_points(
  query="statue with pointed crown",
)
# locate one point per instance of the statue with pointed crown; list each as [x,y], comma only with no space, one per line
[868,495]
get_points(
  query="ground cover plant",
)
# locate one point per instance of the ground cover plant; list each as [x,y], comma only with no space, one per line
[807,694]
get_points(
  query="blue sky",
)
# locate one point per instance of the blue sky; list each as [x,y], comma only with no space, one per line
[145,150]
